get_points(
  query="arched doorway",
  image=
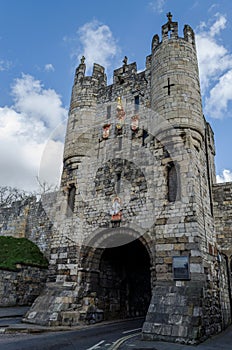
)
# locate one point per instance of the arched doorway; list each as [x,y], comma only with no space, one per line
[124,283]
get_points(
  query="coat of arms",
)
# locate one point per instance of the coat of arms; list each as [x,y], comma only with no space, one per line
[135,123]
[106,131]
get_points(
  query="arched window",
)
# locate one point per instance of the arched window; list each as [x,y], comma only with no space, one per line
[71,199]
[172,182]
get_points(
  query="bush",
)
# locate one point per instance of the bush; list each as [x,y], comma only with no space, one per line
[15,251]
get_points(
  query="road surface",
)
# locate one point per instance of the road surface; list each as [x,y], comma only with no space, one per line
[97,337]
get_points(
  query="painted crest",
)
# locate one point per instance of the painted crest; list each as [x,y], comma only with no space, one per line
[106,131]
[135,123]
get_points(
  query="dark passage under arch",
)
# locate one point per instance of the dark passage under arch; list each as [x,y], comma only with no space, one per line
[124,288]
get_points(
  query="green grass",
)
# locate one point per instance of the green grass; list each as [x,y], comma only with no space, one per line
[20,251]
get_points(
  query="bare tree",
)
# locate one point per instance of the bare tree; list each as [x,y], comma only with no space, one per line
[45,187]
[9,195]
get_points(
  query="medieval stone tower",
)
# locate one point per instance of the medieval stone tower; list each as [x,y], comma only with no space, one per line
[133,231]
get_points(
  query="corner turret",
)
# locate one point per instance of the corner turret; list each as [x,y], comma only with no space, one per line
[175,81]
[81,115]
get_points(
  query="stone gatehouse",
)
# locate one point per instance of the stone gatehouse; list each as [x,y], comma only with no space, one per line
[139,226]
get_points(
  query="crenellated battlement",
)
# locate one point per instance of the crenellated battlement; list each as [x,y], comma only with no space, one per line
[170,28]
[170,32]
[170,75]
[189,34]
[127,71]
[127,74]
[98,77]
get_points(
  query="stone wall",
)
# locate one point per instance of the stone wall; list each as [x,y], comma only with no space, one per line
[13,220]
[40,222]
[21,287]
[222,200]
[224,287]
[29,218]
[175,312]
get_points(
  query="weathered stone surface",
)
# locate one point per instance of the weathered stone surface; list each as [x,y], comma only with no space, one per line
[29,219]
[21,287]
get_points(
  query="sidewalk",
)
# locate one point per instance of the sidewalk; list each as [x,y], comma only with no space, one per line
[10,322]
[222,341]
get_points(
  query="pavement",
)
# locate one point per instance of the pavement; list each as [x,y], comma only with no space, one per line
[10,322]
[222,341]
[8,315]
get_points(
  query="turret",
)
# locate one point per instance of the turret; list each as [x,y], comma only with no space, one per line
[81,116]
[175,79]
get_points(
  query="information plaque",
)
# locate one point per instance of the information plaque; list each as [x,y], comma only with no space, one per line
[180,266]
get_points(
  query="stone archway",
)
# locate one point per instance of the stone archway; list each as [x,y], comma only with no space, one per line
[118,276]
[124,284]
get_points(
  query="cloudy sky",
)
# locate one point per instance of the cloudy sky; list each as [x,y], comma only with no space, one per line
[41,43]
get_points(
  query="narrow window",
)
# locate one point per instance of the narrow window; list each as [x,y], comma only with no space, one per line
[118,183]
[108,112]
[71,199]
[172,182]
[136,103]
[144,136]
[120,143]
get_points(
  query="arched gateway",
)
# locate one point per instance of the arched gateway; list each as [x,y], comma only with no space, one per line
[133,224]
[116,267]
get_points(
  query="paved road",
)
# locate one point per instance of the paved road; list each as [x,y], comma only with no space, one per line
[96,337]
[14,311]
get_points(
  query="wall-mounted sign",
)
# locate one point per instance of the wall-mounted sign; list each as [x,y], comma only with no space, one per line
[180,266]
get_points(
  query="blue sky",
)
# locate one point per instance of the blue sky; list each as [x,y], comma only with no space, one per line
[41,43]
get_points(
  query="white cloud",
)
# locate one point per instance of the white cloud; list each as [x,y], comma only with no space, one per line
[226,176]
[40,105]
[195,4]
[49,67]
[157,5]
[220,96]
[98,44]
[215,65]
[25,128]
[219,25]
[4,65]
